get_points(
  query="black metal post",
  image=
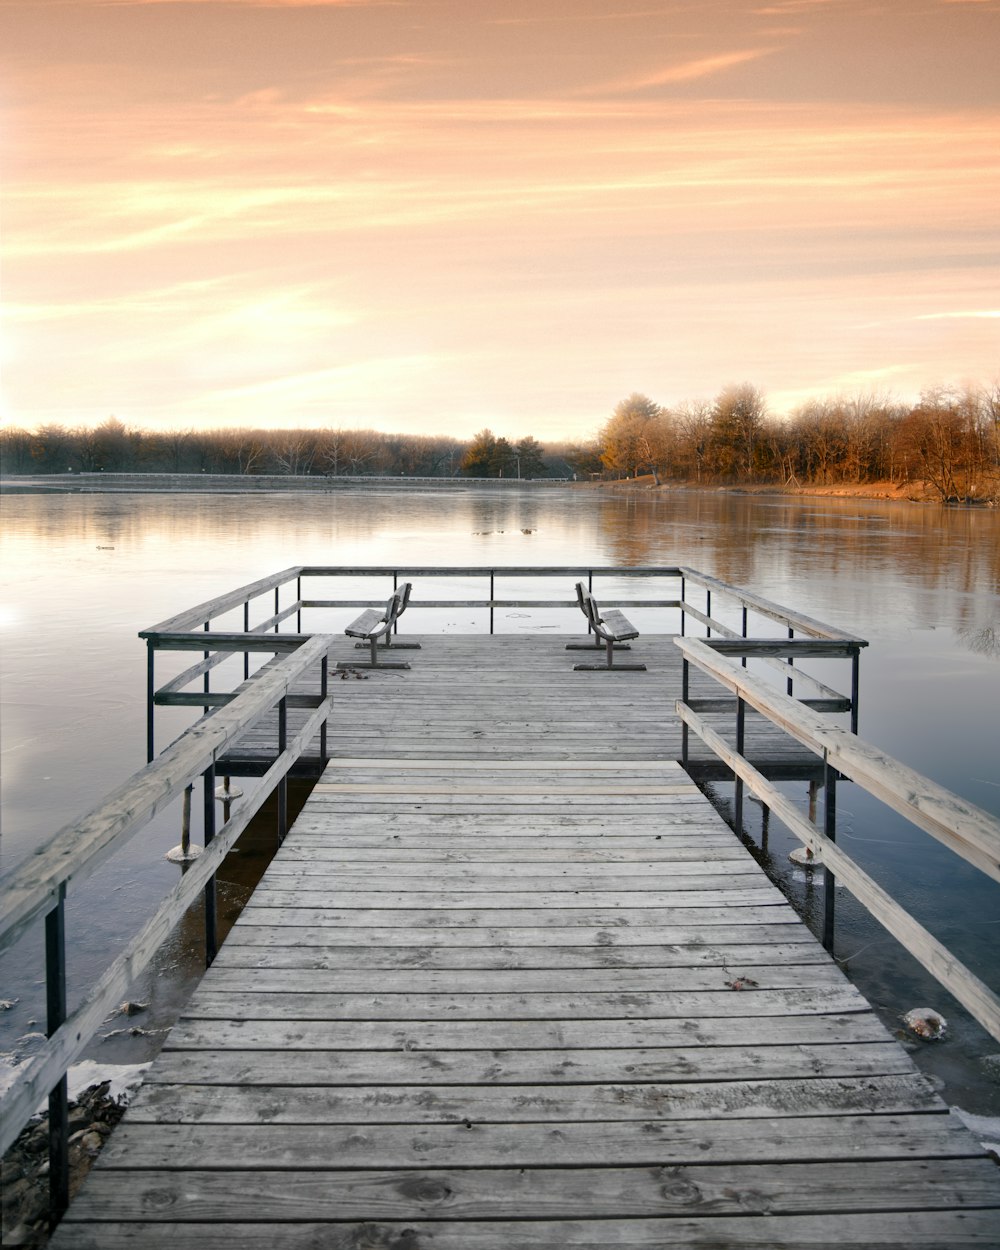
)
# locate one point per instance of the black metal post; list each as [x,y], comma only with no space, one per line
[683,601]
[830,829]
[55,1001]
[491,600]
[790,684]
[277,608]
[855,687]
[708,612]
[246,630]
[741,715]
[283,783]
[211,931]
[150,694]
[744,660]
[205,681]
[298,600]
[323,691]
[685,682]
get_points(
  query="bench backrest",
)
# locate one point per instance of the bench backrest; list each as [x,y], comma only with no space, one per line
[396,603]
[588,605]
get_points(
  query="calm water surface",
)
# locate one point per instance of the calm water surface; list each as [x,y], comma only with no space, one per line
[83,573]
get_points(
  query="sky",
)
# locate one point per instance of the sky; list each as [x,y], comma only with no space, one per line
[431,216]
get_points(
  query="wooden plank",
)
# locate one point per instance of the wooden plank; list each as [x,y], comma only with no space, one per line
[674,943]
[246,1031]
[525,981]
[641,1143]
[386,1070]
[419,1104]
[924,1230]
[295,954]
[592,1005]
[552,1193]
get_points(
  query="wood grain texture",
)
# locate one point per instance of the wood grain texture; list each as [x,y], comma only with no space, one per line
[512,983]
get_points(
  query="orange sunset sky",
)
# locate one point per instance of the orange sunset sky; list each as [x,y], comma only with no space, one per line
[429,216]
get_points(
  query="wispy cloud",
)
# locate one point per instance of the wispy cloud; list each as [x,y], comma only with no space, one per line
[685,71]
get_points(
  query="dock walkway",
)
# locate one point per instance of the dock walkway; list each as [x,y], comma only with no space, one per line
[512,982]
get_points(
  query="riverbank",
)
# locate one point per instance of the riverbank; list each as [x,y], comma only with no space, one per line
[234,484]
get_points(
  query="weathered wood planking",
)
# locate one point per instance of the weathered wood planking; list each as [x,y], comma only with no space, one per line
[511,984]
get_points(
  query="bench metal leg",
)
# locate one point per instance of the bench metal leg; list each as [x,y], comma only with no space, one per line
[609,665]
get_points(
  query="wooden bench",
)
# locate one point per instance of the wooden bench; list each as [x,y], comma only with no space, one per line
[376,623]
[610,629]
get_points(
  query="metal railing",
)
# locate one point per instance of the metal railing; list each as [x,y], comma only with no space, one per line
[35,891]
[966,830]
[266,605]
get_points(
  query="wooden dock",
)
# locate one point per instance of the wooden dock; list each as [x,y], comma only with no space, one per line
[512,982]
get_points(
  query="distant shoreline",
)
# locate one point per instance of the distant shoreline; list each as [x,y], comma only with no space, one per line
[237,484]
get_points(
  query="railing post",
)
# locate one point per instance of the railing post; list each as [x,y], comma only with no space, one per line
[685,681]
[211,935]
[150,695]
[283,783]
[830,829]
[790,683]
[744,660]
[740,736]
[683,601]
[708,612]
[492,596]
[855,687]
[277,608]
[246,630]
[298,600]
[206,683]
[55,999]
[324,688]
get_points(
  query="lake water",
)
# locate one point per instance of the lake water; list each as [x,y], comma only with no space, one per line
[84,573]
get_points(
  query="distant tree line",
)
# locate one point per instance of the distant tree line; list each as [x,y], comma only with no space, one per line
[949,439]
[113,447]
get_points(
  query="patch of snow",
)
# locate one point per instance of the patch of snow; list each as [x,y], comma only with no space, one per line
[985,1128]
[125,1078]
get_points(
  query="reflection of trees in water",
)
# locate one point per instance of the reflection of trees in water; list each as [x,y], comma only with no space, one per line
[982,638]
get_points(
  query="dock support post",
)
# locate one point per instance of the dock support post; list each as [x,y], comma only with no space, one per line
[741,716]
[55,1002]
[283,783]
[790,684]
[685,682]
[683,612]
[830,829]
[211,937]
[323,691]
[150,692]
[855,688]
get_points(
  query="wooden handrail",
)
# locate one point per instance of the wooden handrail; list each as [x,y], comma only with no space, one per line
[765,607]
[35,887]
[961,826]
[78,849]
[968,989]
[964,828]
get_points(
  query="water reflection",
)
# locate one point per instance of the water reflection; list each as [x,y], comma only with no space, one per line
[84,573]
